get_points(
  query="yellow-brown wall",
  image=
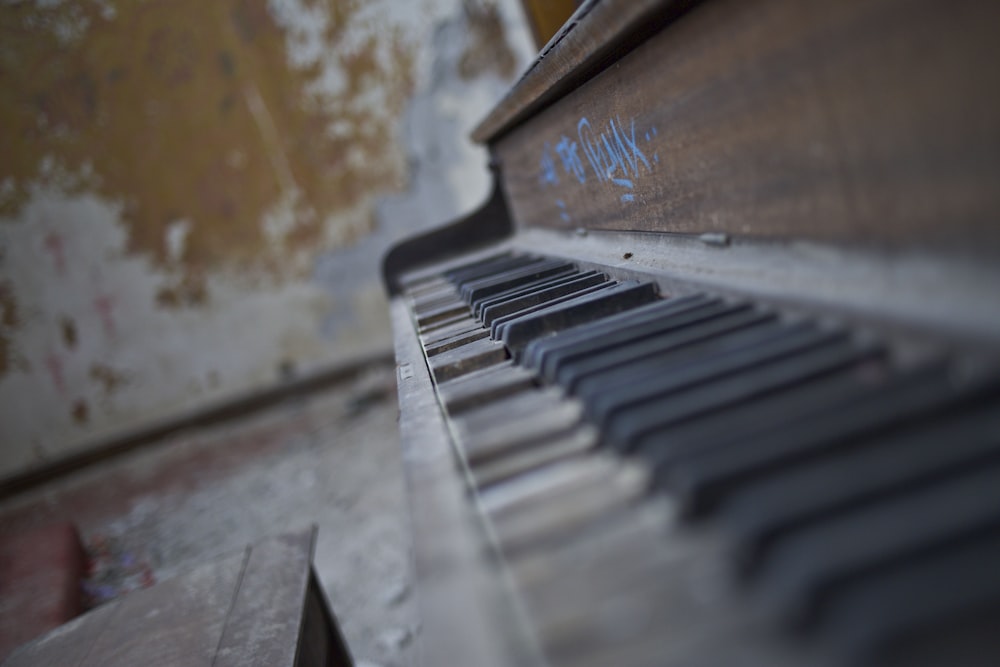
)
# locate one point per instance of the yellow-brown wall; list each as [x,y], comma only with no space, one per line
[182,183]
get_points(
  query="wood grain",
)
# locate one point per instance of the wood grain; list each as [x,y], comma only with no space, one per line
[260,606]
[872,122]
[266,620]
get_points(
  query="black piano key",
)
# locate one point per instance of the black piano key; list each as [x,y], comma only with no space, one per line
[520,290]
[537,353]
[703,480]
[698,331]
[636,427]
[571,360]
[458,340]
[538,297]
[486,287]
[950,599]
[435,335]
[512,266]
[487,267]
[498,323]
[762,512]
[450,274]
[692,358]
[624,296]
[803,568]
[694,437]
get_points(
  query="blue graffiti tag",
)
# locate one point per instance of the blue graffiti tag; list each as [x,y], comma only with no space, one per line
[571,162]
[563,213]
[548,168]
[614,154]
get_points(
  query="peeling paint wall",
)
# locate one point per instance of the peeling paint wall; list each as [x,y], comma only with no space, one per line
[194,195]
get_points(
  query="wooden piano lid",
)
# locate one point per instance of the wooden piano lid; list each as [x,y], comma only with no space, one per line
[871,123]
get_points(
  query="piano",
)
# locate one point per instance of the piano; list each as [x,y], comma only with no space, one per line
[712,379]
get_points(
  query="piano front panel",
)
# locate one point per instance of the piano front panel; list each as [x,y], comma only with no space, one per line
[868,123]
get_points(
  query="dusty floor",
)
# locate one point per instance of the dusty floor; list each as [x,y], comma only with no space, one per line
[330,458]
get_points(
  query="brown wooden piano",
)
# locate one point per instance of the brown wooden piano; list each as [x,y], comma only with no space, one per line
[712,378]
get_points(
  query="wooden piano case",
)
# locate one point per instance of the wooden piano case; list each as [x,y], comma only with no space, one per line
[711,379]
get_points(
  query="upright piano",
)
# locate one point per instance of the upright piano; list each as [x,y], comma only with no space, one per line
[711,379]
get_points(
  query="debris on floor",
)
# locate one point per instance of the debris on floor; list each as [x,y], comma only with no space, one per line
[329,458]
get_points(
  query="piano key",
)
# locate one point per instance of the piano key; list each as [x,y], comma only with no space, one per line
[756,340]
[615,594]
[704,479]
[802,568]
[623,296]
[550,354]
[514,271]
[448,324]
[577,492]
[457,340]
[486,287]
[928,596]
[440,313]
[499,323]
[693,438]
[697,332]
[739,422]
[439,334]
[415,287]
[483,386]
[521,290]
[520,272]
[455,269]
[760,513]
[488,432]
[538,297]
[579,440]
[446,296]
[465,359]
[488,267]
[635,426]
[526,490]
[536,354]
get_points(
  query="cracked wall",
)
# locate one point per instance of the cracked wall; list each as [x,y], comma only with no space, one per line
[194,196]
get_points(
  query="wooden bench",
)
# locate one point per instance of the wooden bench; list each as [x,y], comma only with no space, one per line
[261,606]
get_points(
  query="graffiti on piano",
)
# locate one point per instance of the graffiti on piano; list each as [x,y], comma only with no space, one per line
[612,150]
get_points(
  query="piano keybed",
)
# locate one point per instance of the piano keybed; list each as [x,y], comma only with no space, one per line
[702,480]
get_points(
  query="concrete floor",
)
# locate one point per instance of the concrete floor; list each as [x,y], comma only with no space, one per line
[329,458]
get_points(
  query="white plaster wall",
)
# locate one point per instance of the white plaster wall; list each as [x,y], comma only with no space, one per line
[64,258]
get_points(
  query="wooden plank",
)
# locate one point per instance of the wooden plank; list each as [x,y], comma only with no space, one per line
[68,644]
[266,620]
[177,622]
[870,122]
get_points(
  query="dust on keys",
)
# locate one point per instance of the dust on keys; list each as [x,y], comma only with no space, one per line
[698,480]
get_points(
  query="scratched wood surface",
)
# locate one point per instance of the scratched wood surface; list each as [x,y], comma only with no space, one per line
[249,608]
[872,122]
[264,625]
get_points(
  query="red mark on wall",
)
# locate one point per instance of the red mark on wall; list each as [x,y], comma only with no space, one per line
[55,366]
[105,305]
[56,247]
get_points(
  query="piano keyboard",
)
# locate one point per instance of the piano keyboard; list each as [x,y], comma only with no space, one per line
[698,480]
